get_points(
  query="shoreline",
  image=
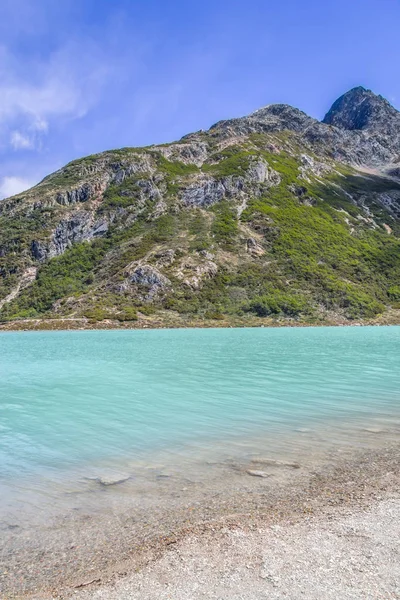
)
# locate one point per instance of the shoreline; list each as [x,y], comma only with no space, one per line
[389,318]
[88,554]
[350,553]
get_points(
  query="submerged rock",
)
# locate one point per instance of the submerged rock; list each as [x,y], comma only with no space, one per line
[271,462]
[375,430]
[108,480]
[256,473]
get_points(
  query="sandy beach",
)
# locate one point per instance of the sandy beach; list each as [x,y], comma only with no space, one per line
[326,530]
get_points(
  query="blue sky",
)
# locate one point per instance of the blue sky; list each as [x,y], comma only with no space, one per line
[82,76]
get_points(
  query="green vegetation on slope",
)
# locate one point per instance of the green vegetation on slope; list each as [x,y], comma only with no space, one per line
[317,250]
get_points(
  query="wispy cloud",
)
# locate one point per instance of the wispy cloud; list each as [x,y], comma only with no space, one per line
[44,93]
[64,86]
[21,141]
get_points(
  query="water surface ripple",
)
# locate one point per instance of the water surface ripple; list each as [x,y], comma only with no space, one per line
[71,400]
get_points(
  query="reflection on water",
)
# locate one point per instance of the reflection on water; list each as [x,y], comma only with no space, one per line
[81,411]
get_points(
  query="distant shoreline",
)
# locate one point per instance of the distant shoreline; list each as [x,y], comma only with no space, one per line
[162,322]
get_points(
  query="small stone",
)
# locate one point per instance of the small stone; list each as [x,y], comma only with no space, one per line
[256,473]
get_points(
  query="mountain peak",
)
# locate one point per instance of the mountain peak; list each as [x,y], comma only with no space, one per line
[361,109]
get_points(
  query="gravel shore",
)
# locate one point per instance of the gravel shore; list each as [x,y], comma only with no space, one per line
[328,531]
[352,555]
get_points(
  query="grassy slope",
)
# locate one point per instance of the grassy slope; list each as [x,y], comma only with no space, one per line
[320,258]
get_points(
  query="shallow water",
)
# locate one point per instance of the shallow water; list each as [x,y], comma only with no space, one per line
[151,404]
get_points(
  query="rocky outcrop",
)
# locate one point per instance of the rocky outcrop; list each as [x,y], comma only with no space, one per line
[360,109]
[361,128]
[189,153]
[140,163]
[146,280]
[206,190]
[302,195]
[39,250]
[165,258]
[310,166]
[260,172]
[148,276]
[80,194]
[81,226]
[193,273]
[390,201]
[254,248]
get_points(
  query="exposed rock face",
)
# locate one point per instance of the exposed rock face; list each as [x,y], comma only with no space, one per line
[165,258]
[260,172]
[360,128]
[360,109]
[188,153]
[311,166]
[81,194]
[391,201]
[140,163]
[148,276]
[193,271]
[79,227]
[148,279]
[148,189]
[254,248]
[394,172]
[274,117]
[206,190]
[39,250]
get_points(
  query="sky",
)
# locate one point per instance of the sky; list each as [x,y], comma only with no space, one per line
[82,76]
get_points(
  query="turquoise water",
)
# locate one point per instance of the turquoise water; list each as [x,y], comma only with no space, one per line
[69,400]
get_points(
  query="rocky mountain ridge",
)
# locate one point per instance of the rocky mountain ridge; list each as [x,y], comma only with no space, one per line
[274,214]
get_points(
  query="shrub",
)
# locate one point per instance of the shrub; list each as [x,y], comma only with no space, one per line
[277,303]
[175,168]
[128,314]
[147,310]
[225,225]
[394,293]
[214,315]
[96,314]
[234,161]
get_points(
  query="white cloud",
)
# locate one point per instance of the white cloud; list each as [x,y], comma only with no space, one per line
[29,139]
[21,141]
[9,186]
[40,125]
[65,86]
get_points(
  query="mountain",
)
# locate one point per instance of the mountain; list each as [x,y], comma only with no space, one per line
[274,216]
[361,109]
